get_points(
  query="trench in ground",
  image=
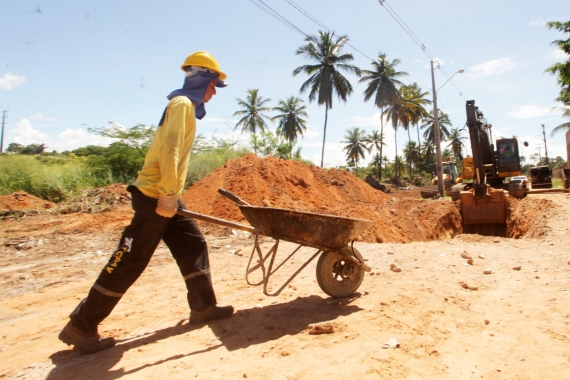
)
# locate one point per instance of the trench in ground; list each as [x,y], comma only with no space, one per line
[519,218]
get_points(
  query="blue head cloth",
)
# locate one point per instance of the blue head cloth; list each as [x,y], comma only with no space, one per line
[194,88]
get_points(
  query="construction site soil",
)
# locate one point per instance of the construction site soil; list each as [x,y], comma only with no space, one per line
[502,315]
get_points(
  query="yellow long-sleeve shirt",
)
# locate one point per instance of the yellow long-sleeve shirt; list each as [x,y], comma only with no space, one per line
[166,162]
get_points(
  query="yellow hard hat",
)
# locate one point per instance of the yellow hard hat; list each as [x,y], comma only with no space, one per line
[203,59]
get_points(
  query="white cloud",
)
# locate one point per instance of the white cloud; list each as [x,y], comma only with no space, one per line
[494,67]
[42,117]
[558,55]
[311,134]
[10,81]
[25,134]
[71,139]
[536,23]
[529,111]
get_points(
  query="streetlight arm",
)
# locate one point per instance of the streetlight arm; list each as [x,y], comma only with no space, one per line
[459,71]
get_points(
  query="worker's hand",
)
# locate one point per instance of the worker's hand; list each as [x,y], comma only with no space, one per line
[167,205]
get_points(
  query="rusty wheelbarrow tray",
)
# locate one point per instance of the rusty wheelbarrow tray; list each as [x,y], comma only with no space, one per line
[340,268]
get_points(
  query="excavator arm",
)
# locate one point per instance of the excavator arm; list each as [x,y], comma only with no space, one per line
[481,204]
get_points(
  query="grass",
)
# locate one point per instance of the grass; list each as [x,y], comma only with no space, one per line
[54,178]
[62,178]
[203,163]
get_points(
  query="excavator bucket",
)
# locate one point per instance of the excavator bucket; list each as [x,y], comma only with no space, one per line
[491,208]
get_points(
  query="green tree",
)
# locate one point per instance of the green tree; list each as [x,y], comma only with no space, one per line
[252,116]
[137,137]
[125,157]
[265,143]
[401,112]
[382,84]
[447,155]
[376,141]
[564,126]
[561,69]
[14,148]
[429,126]
[28,149]
[415,98]
[355,140]
[399,166]
[456,144]
[89,150]
[325,78]
[428,151]
[291,122]
[411,155]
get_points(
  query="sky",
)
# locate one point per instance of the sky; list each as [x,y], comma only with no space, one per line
[68,65]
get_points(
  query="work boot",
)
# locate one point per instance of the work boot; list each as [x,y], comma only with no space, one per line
[85,343]
[211,313]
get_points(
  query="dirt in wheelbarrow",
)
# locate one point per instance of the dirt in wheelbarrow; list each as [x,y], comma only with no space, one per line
[450,318]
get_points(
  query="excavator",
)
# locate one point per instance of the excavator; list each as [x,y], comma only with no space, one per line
[483,202]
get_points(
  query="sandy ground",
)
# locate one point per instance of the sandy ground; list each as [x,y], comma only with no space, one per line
[510,324]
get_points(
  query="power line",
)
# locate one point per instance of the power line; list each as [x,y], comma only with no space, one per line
[316,21]
[267,9]
[313,19]
[416,39]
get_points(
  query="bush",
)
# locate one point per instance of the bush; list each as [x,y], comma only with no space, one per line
[54,178]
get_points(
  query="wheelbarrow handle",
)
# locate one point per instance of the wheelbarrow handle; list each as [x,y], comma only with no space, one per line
[233,197]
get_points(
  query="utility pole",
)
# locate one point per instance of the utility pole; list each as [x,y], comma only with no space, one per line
[439,165]
[2,138]
[539,155]
[545,151]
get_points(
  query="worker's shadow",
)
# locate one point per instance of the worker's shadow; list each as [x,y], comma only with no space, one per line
[245,328]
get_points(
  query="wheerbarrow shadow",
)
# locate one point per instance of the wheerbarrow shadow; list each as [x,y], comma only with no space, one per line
[245,328]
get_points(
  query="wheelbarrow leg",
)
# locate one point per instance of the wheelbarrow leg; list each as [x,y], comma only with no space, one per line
[260,262]
[269,273]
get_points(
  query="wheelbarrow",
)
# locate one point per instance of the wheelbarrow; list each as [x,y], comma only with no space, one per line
[340,268]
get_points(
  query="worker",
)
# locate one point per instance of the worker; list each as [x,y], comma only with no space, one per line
[155,198]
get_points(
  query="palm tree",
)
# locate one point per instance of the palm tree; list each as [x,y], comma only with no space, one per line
[415,100]
[253,118]
[356,141]
[399,166]
[290,122]
[324,76]
[376,160]
[411,154]
[401,112]
[428,150]
[563,126]
[376,140]
[428,125]
[383,85]
[455,143]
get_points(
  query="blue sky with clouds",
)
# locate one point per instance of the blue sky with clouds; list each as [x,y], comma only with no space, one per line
[66,65]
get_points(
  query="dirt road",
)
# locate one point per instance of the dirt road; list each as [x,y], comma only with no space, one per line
[510,324]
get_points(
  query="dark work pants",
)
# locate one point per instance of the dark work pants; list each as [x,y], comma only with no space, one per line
[137,245]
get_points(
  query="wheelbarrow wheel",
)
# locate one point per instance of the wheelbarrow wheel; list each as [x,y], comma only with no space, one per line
[338,275]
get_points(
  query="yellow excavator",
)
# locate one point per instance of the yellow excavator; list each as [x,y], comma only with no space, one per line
[483,201]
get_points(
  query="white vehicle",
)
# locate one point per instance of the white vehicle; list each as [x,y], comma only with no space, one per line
[523,180]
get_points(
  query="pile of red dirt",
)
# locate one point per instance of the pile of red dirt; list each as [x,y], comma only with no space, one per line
[271,182]
[20,200]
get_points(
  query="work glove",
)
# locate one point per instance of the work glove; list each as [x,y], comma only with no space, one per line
[167,205]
